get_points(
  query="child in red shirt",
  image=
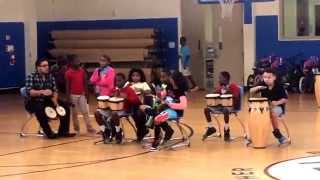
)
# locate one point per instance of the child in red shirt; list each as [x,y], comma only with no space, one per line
[77,92]
[225,87]
[131,107]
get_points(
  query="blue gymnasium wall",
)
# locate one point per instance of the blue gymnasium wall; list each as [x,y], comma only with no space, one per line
[168,32]
[12,75]
[267,41]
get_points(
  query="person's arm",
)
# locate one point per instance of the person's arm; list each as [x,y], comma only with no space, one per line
[54,92]
[181,105]
[280,102]
[254,90]
[86,83]
[108,79]
[95,77]
[67,86]
[30,88]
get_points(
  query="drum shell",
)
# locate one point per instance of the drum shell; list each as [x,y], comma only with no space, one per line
[116,105]
[259,123]
[213,101]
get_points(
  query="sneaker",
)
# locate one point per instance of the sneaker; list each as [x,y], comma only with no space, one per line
[119,137]
[227,135]
[155,145]
[210,131]
[106,136]
[40,133]
[196,88]
[282,140]
[168,134]
[53,136]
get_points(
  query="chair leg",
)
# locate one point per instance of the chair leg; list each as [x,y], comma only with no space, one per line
[244,130]
[284,124]
[185,139]
[24,125]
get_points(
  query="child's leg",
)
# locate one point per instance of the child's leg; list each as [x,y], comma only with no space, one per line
[211,129]
[169,131]
[140,121]
[168,114]
[115,118]
[275,113]
[85,112]
[226,124]
[75,120]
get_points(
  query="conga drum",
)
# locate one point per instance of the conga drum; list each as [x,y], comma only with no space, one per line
[103,102]
[226,100]
[116,103]
[212,100]
[317,88]
[259,121]
[50,112]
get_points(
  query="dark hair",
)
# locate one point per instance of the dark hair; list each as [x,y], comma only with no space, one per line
[275,73]
[39,61]
[121,75]
[139,71]
[106,57]
[225,75]
[180,81]
[71,58]
[184,39]
[167,72]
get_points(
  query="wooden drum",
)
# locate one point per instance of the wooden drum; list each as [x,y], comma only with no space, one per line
[103,102]
[226,100]
[317,88]
[213,100]
[116,103]
[259,121]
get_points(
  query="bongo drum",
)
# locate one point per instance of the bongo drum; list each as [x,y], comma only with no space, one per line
[116,103]
[61,111]
[226,100]
[50,112]
[212,100]
[259,121]
[103,102]
[317,88]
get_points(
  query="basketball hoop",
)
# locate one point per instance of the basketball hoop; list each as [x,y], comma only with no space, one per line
[226,8]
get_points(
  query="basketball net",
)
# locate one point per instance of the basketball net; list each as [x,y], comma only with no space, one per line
[226,8]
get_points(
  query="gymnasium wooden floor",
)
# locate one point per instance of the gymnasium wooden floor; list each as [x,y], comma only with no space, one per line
[78,158]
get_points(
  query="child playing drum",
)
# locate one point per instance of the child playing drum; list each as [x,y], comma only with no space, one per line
[272,89]
[225,87]
[131,106]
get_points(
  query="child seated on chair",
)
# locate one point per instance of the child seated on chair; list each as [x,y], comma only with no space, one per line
[112,118]
[137,81]
[174,102]
[272,89]
[225,87]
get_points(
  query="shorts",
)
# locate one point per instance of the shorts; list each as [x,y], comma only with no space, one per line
[186,71]
[278,110]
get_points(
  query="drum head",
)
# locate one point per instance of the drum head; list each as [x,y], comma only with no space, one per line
[257,99]
[226,96]
[50,112]
[116,99]
[103,98]
[212,95]
[61,111]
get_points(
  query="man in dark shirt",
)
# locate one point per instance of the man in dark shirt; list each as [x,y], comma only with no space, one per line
[272,89]
[42,92]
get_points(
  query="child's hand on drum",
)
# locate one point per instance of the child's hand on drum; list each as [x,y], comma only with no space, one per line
[47,92]
[262,87]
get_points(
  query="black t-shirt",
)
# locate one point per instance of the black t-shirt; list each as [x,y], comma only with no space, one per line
[275,94]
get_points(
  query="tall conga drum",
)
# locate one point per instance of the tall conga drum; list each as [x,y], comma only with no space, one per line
[259,121]
[317,88]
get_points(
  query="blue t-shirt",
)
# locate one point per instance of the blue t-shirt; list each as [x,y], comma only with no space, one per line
[185,55]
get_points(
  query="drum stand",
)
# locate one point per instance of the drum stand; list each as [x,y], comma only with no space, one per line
[22,132]
[219,134]
[127,140]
